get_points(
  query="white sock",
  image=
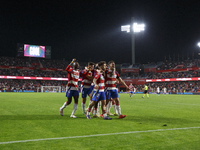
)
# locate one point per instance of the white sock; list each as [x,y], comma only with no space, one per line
[94,111]
[105,114]
[115,109]
[89,103]
[109,106]
[99,105]
[88,113]
[64,105]
[83,107]
[118,109]
[74,108]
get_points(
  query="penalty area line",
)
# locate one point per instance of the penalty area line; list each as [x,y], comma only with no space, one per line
[96,135]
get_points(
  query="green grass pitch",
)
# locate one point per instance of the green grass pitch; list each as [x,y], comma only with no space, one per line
[160,122]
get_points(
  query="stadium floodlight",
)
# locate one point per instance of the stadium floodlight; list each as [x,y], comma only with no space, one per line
[138,27]
[133,28]
[198,44]
[126,28]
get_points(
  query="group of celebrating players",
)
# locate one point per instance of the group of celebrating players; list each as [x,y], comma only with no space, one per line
[99,83]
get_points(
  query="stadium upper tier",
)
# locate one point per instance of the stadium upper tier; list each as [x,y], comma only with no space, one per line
[35,62]
[36,67]
[152,75]
[33,73]
[166,65]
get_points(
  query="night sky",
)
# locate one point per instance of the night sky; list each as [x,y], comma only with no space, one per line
[91,30]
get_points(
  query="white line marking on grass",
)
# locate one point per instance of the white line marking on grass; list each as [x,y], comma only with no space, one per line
[85,136]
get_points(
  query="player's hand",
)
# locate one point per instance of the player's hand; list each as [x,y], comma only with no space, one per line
[128,89]
[89,69]
[96,86]
[73,60]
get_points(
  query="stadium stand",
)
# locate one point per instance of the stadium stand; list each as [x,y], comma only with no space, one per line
[174,87]
[34,67]
[28,85]
[33,73]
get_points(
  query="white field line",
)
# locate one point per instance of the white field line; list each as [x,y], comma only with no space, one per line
[96,135]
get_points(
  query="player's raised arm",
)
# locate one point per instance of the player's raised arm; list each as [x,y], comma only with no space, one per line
[122,82]
[73,60]
[69,68]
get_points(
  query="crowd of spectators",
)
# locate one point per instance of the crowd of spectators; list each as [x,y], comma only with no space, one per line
[166,65]
[33,73]
[130,75]
[58,64]
[33,62]
[28,85]
[11,85]
[35,85]
[61,64]
[162,75]
[14,61]
[181,87]
[172,87]
[186,74]
[126,65]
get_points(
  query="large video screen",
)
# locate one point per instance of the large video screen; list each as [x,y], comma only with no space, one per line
[34,51]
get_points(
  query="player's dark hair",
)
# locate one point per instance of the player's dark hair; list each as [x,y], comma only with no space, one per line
[110,62]
[101,63]
[91,63]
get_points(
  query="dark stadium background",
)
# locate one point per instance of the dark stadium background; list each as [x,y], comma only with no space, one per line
[90,30]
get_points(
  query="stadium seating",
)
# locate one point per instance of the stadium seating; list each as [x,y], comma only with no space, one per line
[55,68]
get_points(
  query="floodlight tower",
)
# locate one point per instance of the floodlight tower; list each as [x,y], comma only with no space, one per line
[133,28]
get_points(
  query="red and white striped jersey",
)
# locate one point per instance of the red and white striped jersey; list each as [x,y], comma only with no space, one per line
[100,81]
[110,78]
[73,76]
[86,83]
[131,87]
[94,72]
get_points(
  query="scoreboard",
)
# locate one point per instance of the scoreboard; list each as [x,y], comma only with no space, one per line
[34,51]
[27,50]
